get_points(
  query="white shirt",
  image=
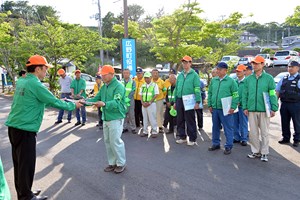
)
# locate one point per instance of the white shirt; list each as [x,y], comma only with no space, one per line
[65,84]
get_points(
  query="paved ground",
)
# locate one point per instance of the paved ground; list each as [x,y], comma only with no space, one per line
[70,162]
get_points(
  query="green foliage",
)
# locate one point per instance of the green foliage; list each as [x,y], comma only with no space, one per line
[297,49]
[294,20]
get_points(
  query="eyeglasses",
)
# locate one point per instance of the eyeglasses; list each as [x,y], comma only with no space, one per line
[185,62]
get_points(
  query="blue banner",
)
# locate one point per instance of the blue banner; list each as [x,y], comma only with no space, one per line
[129,55]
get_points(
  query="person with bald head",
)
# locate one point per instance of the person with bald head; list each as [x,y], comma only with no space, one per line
[170,100]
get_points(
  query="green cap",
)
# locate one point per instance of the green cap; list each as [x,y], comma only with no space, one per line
[147,75]
[173,112]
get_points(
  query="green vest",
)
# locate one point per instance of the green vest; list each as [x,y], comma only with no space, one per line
[128,86]
[171,95]
[148,93]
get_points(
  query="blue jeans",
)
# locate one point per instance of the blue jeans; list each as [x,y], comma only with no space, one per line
[227,121]
[240,128]
[61,112]
[83,114]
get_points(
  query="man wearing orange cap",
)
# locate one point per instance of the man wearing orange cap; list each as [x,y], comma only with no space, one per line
[111,98]
[65,92]
[25,119]
[78,87]
[240,128]
[256,86]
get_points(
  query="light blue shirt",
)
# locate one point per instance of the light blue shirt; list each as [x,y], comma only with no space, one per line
[278,86]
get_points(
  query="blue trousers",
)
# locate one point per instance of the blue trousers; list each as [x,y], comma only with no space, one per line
[227,121]
[290,111]
[240,128]
[61,112]
[186,122]
[83,114]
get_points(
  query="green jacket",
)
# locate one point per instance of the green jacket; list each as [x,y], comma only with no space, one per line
[252,99]
[78,85]
[219,89]
[29,102]
[189,84]
[240,90]
[4,189]
[113,95]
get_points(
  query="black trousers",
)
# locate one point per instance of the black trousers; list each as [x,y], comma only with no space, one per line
[288,112]
[23,145]
[186,122]
[199,113]
[138,112]
[100,117]
[169,120]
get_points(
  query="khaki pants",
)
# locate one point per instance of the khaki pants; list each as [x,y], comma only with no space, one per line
[259,126]
[149,115]
[160,112]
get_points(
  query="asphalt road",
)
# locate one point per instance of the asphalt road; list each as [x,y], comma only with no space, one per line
[70,162]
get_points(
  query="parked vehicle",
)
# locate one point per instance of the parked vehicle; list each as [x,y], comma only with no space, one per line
[230,60]
[90,82]
[285,57]
[280,76]
[245,60]
[268,61]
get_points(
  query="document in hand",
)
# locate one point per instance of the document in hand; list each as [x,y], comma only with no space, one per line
[267,103]
[226,105]
[189,101]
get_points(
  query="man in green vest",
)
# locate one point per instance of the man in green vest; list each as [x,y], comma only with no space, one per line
[170,100]
[130,88]
[148,93]
[111,98]
[24,121]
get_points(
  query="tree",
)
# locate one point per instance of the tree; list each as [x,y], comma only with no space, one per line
[294,20]
[135,13]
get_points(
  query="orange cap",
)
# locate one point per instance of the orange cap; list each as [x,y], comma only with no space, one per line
[258,59]
[107,69]
[38,60]
[241,68]
[77,71]
[61,72]
[186,58]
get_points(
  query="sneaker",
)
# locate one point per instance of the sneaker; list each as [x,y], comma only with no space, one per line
[214,147]
[254,155]
[236,141]
[296,144]
[154,135]
[77,123]
[119,169]
[58,122]
[227,151]
[110,168]
[191,143]
[82,124]
[264,158]
[143,135]
[283,141]
[181,141]
[243,143]
[161,130]
[69,121]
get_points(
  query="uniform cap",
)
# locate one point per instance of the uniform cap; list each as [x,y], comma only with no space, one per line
[61,72]
[241,68]
[37,60]
[139,70]
[147,75]
[172,71]
[222,65]
[107,69]
[249,67]
[294,63]
[98,77]
[186,58]
[258,59]
[77,71]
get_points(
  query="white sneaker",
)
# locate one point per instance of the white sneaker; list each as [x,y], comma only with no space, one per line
[254,155]
[180,141]
[264,158]
[191,143]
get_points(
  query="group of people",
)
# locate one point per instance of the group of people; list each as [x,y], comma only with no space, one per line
[131,104]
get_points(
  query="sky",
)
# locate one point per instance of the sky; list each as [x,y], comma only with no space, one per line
[264,11]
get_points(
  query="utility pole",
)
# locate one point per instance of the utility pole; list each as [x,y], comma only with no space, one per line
[125,19]
[100,30]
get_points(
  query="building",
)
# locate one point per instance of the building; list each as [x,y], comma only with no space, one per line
[291,42]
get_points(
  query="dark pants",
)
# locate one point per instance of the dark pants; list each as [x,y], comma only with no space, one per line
[185,121]
[100,116]
[23,145]
[169,120]
[138,112]
[199,113]
[61,112]
[290,111]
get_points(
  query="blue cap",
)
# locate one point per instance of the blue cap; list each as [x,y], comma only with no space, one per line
[222,65]
[249,67]
[197,71]
[139,70]
[98,77]
[172,71]
[294,63]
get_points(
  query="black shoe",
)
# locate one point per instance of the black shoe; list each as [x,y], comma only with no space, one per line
[125,130]
[227,151]
[296,143]
[36,192]
[83,124]
[161,130]
[214,147]
[283,141]
[243,143]
[133,132]
[77,123]
[58,122]
[69,121]
[236,141]
[39,198]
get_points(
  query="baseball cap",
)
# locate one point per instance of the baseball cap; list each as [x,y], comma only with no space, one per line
[147,75]
[172,71]
[139,70]
[186,58]
[294,63]
[258,59]
[222,65]
[241,68]
[61,72]
[249,67]
[98,77]
[37,60]
[77,71]
[107,69]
